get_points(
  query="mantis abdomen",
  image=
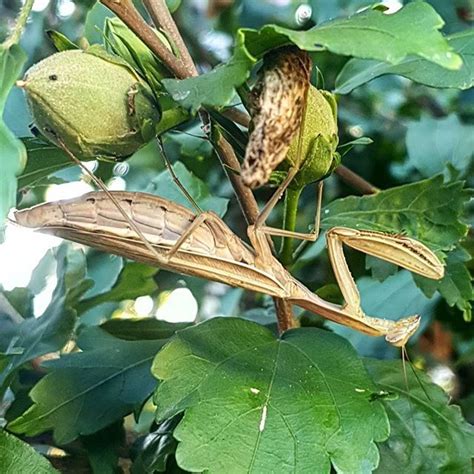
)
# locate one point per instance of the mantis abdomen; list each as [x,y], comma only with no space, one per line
[210,251]
[204,246]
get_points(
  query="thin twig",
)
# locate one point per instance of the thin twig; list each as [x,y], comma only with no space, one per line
[162,18]
[238,116]
[355,181]
[126,11]
[229,162]
[285,318]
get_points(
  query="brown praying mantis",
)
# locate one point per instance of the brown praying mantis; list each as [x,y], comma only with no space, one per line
[156,231]
[203,245]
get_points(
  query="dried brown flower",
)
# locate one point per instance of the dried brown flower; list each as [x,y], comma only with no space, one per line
[278,100]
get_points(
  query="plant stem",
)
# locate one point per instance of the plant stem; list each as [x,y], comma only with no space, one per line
[162,18]
[355,181]
[285,318]
[20,23]
[229,162]
[292,197]
[237,116]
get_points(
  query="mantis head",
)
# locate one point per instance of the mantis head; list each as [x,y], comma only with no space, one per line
[403,330]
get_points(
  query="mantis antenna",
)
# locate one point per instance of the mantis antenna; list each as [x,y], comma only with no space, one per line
[102,186]
[175,178]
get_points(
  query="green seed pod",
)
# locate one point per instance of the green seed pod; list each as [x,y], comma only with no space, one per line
[91,101]
[319,141]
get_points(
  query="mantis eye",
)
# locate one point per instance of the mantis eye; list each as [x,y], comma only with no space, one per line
[53,77]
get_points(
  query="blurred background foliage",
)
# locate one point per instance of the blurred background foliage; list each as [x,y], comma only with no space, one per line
[417,132]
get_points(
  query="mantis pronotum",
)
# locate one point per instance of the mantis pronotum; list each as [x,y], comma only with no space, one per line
[204,246]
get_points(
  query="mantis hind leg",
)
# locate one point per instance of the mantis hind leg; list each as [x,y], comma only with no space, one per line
[175,178]
[201,216]
[259,231]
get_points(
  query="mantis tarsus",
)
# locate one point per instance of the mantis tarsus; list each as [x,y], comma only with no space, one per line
[204,246]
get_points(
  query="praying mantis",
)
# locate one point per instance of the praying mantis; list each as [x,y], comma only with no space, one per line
[156,231]
[203,245]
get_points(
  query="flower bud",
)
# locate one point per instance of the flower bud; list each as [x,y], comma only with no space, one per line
[319,140]
[92,102]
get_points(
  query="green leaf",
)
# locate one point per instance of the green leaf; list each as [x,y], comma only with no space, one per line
[456,14]
[357,141]
[216,88]
[433,144]
[44,159]
[456,286]
[157,447]
[21,299]
[193,148]
[173,5]
[429,211]
[41,273]
[164,186]
[103,269]
[13,155]
[323,11]
[270,405]
[103,448]
[87,391]
[121,41]
[357,72]
[60,42]
[380,269]
[136,279]
[18,457]
[413,30]
[95,21]
[38,336]
[427,435]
